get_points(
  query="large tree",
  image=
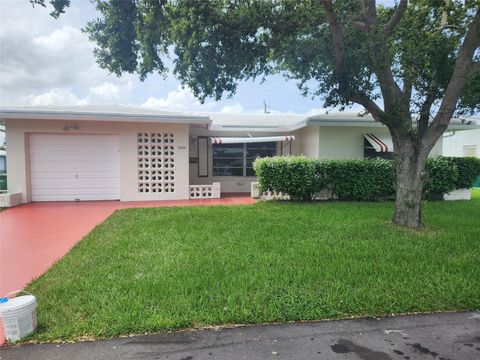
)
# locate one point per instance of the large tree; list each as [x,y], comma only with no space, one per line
[412,66]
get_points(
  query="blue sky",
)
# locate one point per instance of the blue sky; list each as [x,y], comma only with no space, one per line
[44,61]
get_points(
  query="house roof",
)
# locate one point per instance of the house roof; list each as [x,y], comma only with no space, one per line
[353,119]
[102,113]
[244,122]
[257,122]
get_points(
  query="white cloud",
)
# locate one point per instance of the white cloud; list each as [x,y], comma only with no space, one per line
[108,92]
[50,62]
[55,96]
[105,93]
[62,39]
[233,109]
[181,99]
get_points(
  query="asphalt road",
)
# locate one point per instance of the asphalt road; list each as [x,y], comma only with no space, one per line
[434,336]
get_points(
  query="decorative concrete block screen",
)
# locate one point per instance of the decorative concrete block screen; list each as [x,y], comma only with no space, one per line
[205,191]
[156,162]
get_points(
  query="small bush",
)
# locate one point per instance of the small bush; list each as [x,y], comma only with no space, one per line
[291,175]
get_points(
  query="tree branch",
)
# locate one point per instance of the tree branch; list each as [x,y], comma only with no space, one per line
[370,12]
[370,106]
[397,15]
[464,67]
[336,30]
[407,88]
[425,112]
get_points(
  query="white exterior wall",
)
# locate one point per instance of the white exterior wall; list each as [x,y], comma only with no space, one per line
[347,142]
[454,145]
[309,144]
[17,133]
[229,184]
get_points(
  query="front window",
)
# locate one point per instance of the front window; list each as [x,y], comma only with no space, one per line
[237,159]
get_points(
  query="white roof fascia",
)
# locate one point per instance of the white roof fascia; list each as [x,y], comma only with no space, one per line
[101,116]
[454,125]
[258,128]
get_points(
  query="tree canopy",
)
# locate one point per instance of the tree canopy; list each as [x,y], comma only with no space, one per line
[214,44]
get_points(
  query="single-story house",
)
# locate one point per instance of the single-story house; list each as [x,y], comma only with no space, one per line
[133,154]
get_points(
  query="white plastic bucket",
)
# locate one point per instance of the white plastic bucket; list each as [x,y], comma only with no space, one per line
[19,317]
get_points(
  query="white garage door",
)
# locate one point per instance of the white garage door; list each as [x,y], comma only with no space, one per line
[74,167]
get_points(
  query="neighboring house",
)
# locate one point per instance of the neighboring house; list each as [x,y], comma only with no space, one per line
[462,143]
[131,154]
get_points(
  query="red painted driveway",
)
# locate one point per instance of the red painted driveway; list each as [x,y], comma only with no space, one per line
[34,236]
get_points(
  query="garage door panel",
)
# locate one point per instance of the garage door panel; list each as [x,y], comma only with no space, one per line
[71,139]
[57,197]
[74,193]
[65,157]
[75,168]
[70,175]
[71,167]
[99,183]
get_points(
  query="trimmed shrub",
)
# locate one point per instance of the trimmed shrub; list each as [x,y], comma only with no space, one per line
[468,171]
[293,175]
[302,178]
[442,175]
[369,180]
[362,179]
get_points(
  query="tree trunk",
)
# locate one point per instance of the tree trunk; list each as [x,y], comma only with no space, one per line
[410,178]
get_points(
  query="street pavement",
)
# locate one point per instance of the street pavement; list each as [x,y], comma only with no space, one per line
[440,336]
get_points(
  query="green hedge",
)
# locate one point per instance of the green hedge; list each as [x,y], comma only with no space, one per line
[442,177]
[302,178]
[468,171]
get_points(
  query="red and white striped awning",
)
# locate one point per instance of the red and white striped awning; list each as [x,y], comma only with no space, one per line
[380,142]
[242,140]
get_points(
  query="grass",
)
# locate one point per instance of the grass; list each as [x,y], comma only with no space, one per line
[146,270]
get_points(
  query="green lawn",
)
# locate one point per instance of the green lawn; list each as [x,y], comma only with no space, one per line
[147,270]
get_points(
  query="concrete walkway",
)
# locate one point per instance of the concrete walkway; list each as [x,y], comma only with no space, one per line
[435,336]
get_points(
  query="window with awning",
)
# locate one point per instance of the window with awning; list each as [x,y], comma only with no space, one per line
[377,145]
[251,139]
